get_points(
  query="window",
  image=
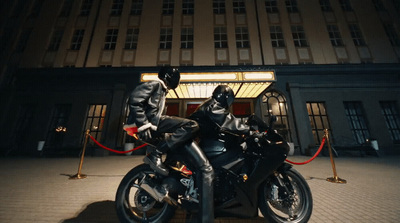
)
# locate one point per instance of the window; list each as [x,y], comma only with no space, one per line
[166,38]
[172,108]
[56,40]
[345,5]
[58,125]
[358,124]
[77,39]
[137,6]
[35,10]
[111,39]
[276,36]
[239,6]
[187,38]
[241,109]
[188,7]
[116,8]
[334,35]
[191,107]
[219,6]
[86,7]
[379,5]
[325,5]
[95,121]
[23,40]
[299,36]
[220,37]
[356,35]
[66,9]
[392,35]
[168,7]
[275,104]
[271,6]
[392,119]
[131,38]
[23,127]
[291,6]
[242,37]
[18,8]
[396,4]
[318,119]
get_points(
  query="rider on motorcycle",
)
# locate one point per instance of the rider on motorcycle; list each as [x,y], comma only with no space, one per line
[213,115]
[146,105]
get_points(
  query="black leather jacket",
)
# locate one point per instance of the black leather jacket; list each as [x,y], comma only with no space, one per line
[147,103]
[213,118]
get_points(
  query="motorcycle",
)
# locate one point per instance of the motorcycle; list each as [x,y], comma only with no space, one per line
[250,175]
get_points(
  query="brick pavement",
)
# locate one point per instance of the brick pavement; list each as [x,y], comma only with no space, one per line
[38,189]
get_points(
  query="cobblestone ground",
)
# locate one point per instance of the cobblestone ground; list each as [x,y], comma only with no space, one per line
[39,189]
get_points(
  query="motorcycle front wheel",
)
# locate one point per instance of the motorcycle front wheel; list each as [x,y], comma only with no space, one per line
[133,204]
[291,202]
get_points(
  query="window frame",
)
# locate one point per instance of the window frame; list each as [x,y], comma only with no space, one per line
[299,36]
[77,39]
[277,37]
[242,37]
[100,116]
[168,7]
[334,35]
[187,38]
[356,35]
[355,114]
[131,40]
[165,38]
[136,7]
[390,112]
[239,6]
[110,40]
[219,7]
[318,117]
[220,37]
[116,7]
[271,6]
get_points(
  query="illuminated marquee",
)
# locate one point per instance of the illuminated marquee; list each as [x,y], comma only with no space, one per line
[201,85]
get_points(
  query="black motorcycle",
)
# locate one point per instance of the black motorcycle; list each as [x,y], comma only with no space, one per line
[250,175]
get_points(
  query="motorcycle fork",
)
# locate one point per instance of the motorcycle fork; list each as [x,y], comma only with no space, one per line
[287,192]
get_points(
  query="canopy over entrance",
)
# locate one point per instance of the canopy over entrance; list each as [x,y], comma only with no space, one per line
[248,84]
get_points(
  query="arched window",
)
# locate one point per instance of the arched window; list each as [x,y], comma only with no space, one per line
[275,104]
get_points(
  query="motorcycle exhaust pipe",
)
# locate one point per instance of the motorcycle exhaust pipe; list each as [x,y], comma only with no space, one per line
[159,193]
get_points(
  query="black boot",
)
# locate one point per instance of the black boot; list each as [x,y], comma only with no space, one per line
[205,179]
[155,162]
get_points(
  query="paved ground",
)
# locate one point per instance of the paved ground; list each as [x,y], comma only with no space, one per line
[38,189]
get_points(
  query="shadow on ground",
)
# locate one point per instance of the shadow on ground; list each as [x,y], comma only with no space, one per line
[104,212]
[97,212]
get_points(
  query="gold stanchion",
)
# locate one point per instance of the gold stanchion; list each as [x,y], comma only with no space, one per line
[79,175]
[335,178]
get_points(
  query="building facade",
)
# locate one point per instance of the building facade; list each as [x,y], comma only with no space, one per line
[68,66]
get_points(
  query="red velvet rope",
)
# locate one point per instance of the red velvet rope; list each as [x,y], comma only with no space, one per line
[141,146]
[116,151]
[312,158]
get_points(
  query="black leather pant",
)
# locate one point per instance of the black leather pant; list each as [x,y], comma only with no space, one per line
[181,131]
[205,181]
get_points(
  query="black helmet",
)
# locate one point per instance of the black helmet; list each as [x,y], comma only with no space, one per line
[224,95]
[170,76]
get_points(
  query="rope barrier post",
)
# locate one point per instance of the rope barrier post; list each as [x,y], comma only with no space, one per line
[79,175]
[335,178]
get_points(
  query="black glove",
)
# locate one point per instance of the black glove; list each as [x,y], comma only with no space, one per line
[145,135]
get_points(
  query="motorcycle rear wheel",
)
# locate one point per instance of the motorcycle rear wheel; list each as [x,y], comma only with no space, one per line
[279,206]
[133,204]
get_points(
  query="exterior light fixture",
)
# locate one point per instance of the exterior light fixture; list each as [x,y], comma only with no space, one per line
[249,84]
